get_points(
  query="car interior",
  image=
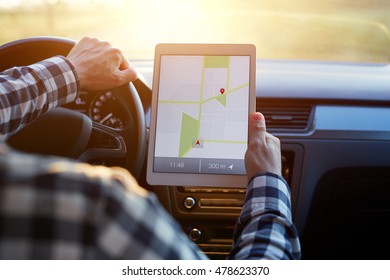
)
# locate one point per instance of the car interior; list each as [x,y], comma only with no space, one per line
[332,117]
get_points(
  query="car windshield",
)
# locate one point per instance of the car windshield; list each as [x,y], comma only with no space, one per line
[327,30]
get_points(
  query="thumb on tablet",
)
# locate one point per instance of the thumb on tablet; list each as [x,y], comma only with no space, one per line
[257,127]
[263,153]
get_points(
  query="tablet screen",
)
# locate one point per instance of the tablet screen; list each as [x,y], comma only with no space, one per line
[201,117]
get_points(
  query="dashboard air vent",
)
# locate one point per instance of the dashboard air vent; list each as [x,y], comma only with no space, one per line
[285,116]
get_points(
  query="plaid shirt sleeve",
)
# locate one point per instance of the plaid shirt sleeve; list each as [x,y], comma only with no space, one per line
[29,91]
[265,229]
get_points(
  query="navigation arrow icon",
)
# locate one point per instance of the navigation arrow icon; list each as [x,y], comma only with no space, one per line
[231,167]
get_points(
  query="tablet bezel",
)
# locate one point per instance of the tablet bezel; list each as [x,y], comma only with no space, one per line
[196,179]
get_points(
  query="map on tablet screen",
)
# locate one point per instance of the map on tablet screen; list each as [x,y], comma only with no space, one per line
[200,116]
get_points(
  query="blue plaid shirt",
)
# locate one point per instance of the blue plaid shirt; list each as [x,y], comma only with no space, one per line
[54,208]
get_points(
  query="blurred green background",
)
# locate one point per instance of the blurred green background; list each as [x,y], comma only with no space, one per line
[329,30]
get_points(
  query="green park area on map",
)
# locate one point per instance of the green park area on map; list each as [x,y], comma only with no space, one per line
[189,132]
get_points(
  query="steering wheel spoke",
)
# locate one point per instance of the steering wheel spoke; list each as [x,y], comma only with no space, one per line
[105,147]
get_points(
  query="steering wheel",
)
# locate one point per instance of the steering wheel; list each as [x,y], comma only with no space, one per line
[68,133]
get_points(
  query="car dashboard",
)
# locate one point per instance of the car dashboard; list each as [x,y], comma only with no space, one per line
[333,121]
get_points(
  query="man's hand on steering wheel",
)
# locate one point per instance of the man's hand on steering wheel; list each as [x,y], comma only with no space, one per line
[100,66]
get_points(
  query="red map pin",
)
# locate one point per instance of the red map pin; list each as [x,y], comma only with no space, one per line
[222,90]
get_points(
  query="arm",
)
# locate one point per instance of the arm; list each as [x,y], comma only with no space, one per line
[265,229]
[29,91]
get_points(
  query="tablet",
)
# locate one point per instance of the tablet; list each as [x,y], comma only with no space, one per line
[202,97]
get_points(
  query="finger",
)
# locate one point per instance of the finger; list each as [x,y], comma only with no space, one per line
[124,64]
[88,42]
[272,139]
[272,142]
[128,75]
[257,127]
